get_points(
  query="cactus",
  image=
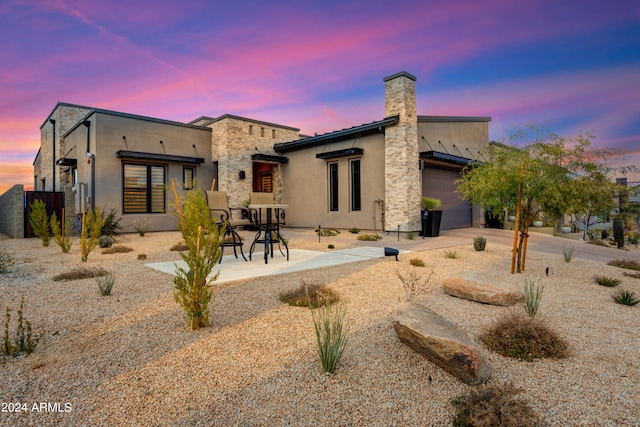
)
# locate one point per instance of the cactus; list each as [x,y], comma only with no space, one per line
[618,232]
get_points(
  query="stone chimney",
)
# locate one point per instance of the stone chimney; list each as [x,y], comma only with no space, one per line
[402,174]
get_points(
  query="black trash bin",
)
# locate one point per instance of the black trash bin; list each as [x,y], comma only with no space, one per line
[431,223]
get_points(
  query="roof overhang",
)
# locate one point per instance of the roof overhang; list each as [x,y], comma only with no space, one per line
[123,154]
[340,153]
[65,161]
[268,158]
[437,156]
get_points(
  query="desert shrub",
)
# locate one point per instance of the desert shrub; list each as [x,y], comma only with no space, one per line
[567,252]
[532,293]
[332,334]
[179,247]
[5,261]
[479,243]
[369,237]
[606,281]
[110,223]
[494,405]
[329,232]
[193,290]
[450,254]
[354,230]
[634,238]
[410,236]
[105,284]
[141,225]
[414,282]
[309,295]
[416,262]
[626,298]
[59,228]
[90,233]
[625,263]
[80,273]
[525,338]
[634,275]
[24,341]
[105,241]
[618,232]
[142,256]
[117,249]
[40,221]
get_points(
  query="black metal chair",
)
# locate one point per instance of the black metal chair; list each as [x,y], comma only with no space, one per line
[221,213]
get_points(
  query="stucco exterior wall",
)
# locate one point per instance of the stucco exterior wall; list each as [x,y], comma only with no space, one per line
[457,136]
[12,212]
[233,141]
[306,188]
[106,132]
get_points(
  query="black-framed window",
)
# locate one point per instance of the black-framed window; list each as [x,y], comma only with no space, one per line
[188,175]
[143,188]
[356,191]
[333,187]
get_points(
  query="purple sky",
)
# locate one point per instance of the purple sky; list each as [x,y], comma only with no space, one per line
[319,65]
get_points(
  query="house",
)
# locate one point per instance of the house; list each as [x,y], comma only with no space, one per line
[370,176]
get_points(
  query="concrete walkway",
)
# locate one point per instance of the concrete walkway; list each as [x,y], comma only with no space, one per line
[233,268]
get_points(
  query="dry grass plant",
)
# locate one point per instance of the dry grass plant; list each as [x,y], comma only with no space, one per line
[80,273]
[5,261]
[117,249]
[179,247]
[105,284]
[451,254]
[625,263]
[524,338]
[494,405]
[312,295]
[416,262]
[24,341]
[414,282]
[567,252]
[634,275]
[369,237]
[532,294]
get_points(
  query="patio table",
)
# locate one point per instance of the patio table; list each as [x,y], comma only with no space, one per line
[271,231]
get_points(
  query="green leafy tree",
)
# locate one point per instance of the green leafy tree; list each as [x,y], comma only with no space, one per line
[59,228]
[40,221]
[203,237]
[549,174]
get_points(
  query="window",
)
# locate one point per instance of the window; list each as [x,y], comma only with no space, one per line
[143,189]
[250,129]
[273,133]
[355,185]
[333,187]
[188,175]
[261,131]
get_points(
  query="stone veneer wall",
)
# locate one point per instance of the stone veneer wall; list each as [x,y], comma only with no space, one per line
[402,176]
[65,116]
[12,212]
[232,147]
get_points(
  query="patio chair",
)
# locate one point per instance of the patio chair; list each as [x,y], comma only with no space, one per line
[222,214]
[259,216]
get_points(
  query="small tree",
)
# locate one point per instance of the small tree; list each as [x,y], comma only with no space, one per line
[203,238]
[90,234]
[40,221]
[59,228]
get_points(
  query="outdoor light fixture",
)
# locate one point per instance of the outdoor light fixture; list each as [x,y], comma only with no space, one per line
[241,175]
[391,252]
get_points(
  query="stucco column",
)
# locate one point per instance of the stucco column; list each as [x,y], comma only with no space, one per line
[402,175]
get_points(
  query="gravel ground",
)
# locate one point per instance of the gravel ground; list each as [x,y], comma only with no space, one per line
[129,359]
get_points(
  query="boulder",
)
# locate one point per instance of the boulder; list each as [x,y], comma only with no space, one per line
[480,291]
[442,342]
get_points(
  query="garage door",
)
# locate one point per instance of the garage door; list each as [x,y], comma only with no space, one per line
[439,183]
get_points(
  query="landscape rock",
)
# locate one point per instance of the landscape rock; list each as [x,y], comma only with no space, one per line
[442,342]
[480,291]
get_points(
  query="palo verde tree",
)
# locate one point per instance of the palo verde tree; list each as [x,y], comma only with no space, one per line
[203,238]
[549,174]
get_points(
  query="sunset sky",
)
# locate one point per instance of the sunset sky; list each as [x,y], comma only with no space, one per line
[318,65]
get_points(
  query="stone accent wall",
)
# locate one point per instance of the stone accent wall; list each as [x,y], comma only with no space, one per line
[402,175]
[234,141]
[12,212]
[66,117]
